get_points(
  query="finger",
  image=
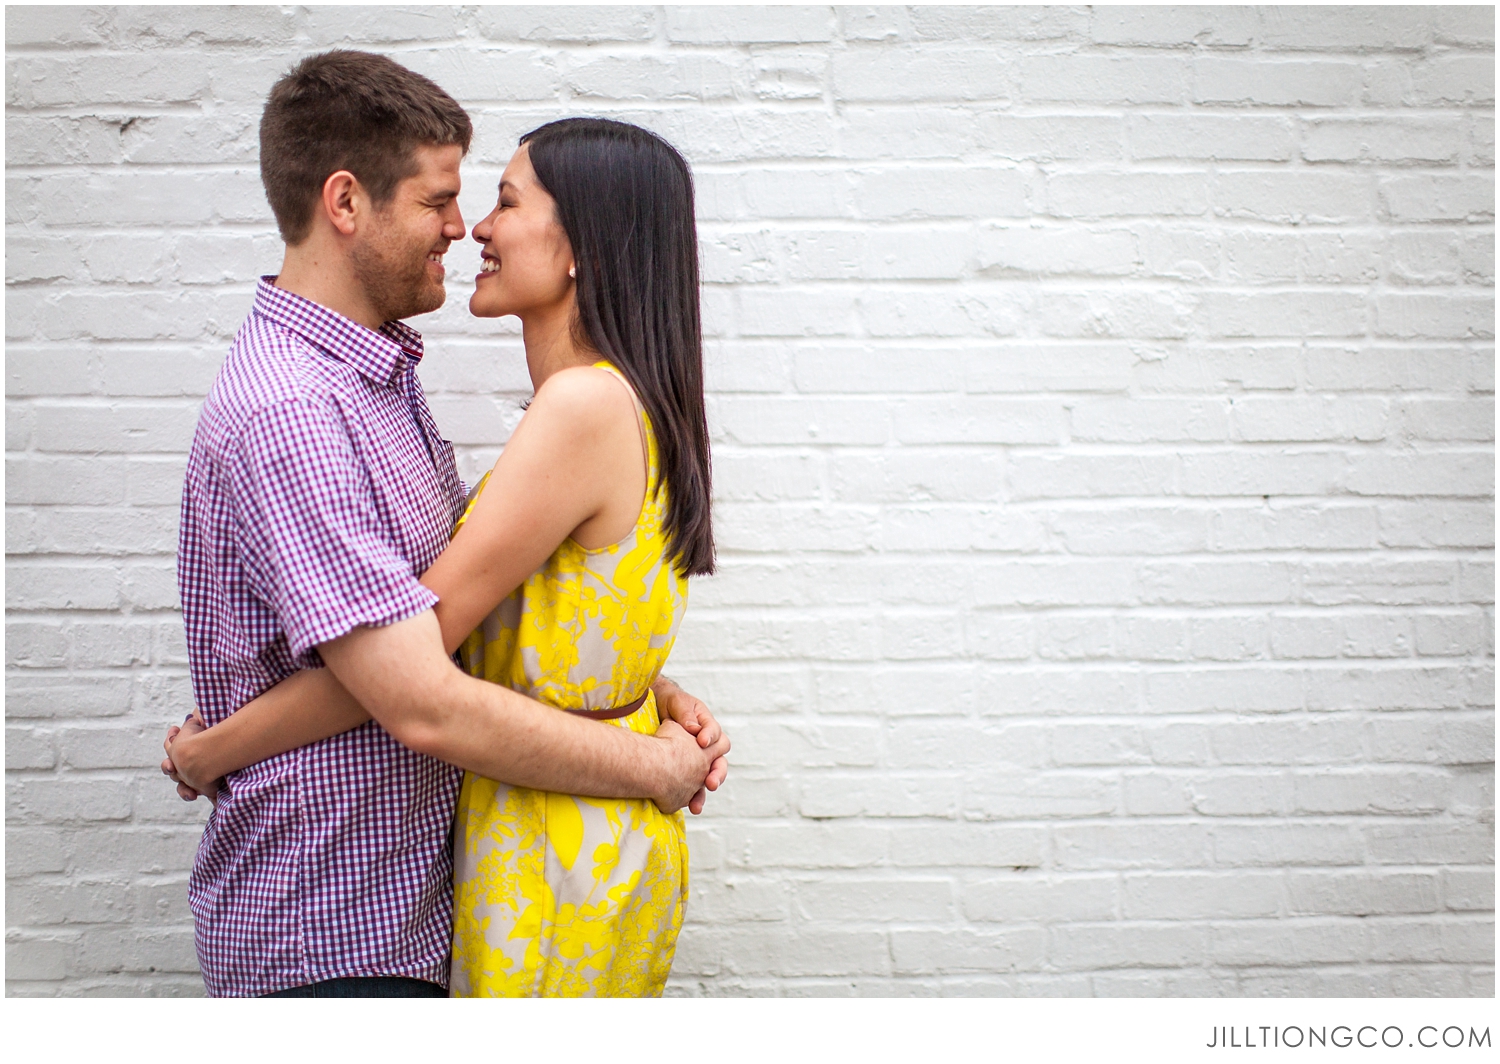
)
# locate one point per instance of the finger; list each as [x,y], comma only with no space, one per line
[167,768]
[171,735]
[698,801]
[186,793]
[717,772]
[710,732]
[718,748]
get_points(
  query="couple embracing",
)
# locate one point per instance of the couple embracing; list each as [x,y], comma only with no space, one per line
[390,824]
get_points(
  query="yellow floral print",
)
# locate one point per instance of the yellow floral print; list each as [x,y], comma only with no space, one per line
[556,895]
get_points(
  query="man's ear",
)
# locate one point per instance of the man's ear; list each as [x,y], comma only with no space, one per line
[342,201]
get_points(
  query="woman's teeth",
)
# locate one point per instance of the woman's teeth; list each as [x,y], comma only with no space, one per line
[488,266]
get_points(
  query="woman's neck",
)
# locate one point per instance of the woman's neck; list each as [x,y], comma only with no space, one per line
[550,346]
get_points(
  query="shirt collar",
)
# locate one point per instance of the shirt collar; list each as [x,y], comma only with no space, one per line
[379,356]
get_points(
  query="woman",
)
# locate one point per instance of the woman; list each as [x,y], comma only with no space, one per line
[574,552]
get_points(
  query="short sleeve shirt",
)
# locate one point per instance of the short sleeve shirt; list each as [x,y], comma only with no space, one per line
[318,489]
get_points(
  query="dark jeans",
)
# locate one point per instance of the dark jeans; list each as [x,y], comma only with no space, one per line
[376,986]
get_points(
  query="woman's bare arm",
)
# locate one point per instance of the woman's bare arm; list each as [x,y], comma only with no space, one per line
[560,471]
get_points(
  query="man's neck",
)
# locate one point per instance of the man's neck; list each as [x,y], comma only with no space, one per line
[325,277]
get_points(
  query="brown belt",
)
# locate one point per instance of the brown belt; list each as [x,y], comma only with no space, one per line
[613,714]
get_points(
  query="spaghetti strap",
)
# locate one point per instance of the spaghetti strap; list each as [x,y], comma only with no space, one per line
[640,414]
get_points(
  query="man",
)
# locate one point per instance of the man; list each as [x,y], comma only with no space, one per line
[317,489]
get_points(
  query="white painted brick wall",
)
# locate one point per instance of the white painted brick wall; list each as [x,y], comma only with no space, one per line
[1103,418]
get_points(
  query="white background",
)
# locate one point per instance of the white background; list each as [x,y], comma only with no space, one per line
[1103,418]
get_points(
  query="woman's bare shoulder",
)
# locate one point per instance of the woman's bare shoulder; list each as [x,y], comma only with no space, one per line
[585,390]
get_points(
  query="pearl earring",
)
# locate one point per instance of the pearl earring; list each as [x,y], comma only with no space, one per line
[573,272]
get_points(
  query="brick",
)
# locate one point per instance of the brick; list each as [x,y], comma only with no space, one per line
[741,25]
[1468,890]
[584,23]
[1024,897]
[1100,78]
[1447,635]
[910,193]
[967,951]
[1437,198]
[37,957]
[1042,795]
[1429,843]
[1247,942]
[928,312]
[1289,198]
[40,696]
[1091,314]
[1451,474]
[978,420]
[1268,367]
[163,949]
[1179,27]
[1423,315]
[1262,314]
[44,27]
[967,845]
[676,77]
[1019,23]
[142,78]
[941,72]
[1079,946]
[1380,368]
[1429,141]
[1337,29]
[67,799]
[1286,843]
[41,904]
[1047,138]
[1133,846]
[1201,895]
[1272,83]
[1452,79]
[883,899]
[28,748]
[1362,893]
[1226,137]
[63,587]
[1124,194]
[1029,252]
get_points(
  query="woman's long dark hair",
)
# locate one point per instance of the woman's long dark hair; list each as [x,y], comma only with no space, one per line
[625,198]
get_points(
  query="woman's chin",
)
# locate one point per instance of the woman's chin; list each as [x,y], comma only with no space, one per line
[480,308]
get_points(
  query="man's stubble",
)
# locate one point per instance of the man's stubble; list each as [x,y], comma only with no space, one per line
[393,274]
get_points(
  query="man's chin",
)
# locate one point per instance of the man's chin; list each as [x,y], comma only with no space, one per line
[426,303]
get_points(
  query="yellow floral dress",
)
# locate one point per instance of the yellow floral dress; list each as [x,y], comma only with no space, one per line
[555,895]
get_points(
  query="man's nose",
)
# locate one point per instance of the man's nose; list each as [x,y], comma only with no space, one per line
[453,224]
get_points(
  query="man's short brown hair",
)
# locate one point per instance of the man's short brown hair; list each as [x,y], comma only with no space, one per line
[352,111]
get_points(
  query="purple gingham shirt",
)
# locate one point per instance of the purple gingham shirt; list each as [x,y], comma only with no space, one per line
[317,489]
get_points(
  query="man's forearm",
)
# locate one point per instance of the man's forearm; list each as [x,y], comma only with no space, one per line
[400,674]
[495,732]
